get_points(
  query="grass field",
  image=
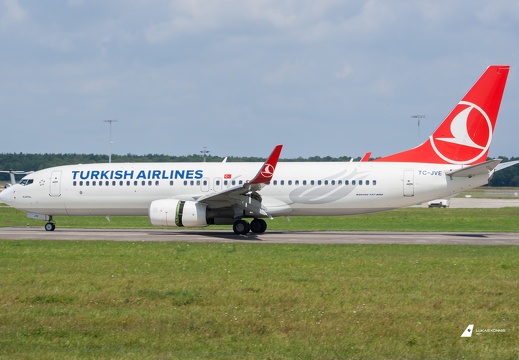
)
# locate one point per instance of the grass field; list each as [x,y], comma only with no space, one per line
[112,300]
[175,300]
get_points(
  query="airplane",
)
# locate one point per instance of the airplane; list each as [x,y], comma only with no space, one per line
[12,174]
[453,159]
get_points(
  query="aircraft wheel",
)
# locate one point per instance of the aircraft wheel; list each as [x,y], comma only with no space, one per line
[50,226]
[258,226]
[241,227]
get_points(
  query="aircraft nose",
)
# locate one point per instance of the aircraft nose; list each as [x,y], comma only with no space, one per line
[6,196]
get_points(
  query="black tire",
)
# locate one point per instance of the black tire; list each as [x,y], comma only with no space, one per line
[241,227]
[258,226]
[50,227]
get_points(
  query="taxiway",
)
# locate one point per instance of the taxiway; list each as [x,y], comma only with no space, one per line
[270,237]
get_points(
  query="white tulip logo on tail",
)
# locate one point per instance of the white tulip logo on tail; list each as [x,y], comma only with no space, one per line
[470,135]
[268,171]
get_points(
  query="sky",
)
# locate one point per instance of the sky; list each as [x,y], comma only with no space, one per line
[326,78]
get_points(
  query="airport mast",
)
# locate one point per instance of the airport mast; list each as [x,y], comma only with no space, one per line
[110,138]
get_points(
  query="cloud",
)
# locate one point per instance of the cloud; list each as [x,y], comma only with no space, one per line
[12,12]
[287,71]
[192,64]
[344,72]
[306,20]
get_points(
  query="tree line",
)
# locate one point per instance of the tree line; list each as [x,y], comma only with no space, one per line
[508,177]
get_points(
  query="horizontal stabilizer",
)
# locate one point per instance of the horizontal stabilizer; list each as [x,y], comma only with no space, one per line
[479,169]
[506,164]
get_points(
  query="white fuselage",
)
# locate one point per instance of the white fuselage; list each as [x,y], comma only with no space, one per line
[304,188]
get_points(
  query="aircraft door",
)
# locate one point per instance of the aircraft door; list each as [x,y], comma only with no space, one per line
[55,184]
[408,183]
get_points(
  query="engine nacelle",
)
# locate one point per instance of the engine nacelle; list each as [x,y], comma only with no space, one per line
[172,212]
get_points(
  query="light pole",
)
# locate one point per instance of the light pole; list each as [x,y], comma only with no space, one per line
[204,152]
[110,138]
[418,117]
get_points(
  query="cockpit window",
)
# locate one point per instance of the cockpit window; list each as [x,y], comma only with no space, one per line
[25,182]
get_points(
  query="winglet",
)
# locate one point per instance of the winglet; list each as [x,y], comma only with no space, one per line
[366,157]
[267,169]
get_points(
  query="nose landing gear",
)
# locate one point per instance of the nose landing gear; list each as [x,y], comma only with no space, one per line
[51,225]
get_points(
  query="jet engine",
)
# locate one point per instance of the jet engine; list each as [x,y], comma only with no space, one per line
[172,212]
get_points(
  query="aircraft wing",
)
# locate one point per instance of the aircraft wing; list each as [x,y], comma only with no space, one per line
[246,196]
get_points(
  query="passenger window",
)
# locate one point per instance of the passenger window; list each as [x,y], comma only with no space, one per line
[282,182]
[74,183]
[374,182]
[217,182]
[319,182]
[304,182]
[289,182]
[339,182]
[171,182]
[360,182]
[275,182]
[353,182]
[81,183]
[157,183]
[346,182]
[312,182]
[296,182]
[367,182]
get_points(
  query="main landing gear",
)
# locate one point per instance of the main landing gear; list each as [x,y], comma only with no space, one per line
[51,225]
[242,227]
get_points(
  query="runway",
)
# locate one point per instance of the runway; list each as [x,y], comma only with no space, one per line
[270,237]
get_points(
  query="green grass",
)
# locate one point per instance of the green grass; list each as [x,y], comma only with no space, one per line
[407,219]
[176,300]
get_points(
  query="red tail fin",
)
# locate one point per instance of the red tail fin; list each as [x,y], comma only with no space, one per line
[465,135]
